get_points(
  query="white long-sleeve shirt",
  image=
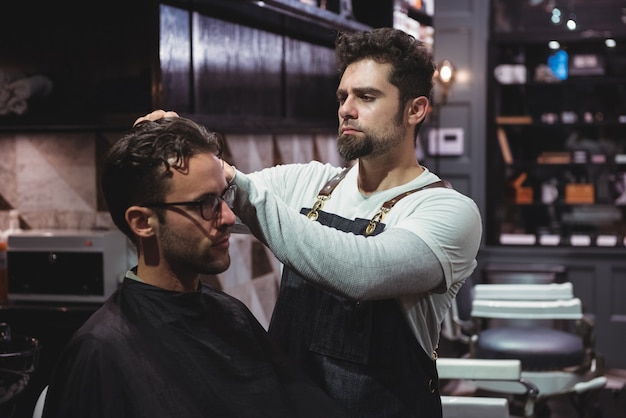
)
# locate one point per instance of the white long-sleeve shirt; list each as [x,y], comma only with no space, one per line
[422,258]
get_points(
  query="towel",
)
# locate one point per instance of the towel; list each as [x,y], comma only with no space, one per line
[16,89]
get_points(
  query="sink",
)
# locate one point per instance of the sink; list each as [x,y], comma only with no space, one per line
[18,359]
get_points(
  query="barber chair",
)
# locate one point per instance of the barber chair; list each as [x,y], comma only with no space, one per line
[41,400]
[544,327]
[530,273]
[459,406]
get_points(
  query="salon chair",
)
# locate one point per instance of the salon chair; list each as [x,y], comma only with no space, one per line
[41,400]
[523,273]
[555,345]
[459,373]
[19,357]
[472,370]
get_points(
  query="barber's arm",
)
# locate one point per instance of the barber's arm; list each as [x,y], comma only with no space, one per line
[395,263]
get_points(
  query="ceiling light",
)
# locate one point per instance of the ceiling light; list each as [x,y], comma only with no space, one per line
[571,24]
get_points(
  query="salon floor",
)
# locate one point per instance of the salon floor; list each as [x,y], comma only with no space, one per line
[611,401]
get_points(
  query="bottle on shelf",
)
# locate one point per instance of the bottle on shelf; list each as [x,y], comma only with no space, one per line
[14,228]
[4,273]
[14,223]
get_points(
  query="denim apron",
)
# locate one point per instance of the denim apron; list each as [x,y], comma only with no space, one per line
[361,353]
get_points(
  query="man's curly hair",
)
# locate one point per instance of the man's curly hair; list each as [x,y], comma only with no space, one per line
[411,60]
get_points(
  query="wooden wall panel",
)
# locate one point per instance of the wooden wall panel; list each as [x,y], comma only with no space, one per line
[611,314]
[237,69]
[310,81]
[175,57]
[617,282]
[583,278]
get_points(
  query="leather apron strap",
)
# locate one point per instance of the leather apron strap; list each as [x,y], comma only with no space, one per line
[386,207]
[324,194]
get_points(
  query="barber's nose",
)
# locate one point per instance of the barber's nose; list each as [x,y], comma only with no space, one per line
[347,110]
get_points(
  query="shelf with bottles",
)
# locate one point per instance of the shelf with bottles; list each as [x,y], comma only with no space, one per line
[555,60]
[557,143]
[583,226]
[578,205]
[560,144]
[513,19]
[415,17]
[573,103]
[581,81]
[572,186]
[344,15]
[548,203]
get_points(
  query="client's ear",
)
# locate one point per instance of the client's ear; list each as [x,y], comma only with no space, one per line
[141,220]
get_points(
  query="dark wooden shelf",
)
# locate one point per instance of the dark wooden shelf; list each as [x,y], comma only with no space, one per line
[516,128]
[107,67]
[71,123]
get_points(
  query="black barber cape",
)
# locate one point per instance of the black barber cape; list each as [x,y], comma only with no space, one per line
[152,353]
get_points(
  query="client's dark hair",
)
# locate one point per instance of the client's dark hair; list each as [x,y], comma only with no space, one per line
[137,167]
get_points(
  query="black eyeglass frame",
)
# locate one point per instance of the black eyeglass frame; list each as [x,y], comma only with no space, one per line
[227,197]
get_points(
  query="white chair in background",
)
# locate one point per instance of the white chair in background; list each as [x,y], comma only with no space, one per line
[38,411]
[543,326]
[483,370]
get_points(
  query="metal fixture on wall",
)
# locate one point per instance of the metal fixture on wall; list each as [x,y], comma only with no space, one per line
[447,142]
[445,76]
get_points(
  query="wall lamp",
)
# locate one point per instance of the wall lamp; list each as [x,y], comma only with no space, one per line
[444,76]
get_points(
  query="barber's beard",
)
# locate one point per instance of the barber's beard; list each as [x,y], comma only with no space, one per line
[371,144]
[350,147]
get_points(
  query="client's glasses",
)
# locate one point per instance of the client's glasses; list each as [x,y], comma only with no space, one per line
[210,205]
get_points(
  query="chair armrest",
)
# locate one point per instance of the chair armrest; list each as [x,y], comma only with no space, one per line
[479,369]
[484,369]
[518,309]
[593,384]
[469,407]
[546,291]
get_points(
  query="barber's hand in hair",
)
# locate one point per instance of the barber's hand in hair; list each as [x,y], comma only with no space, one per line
[229,171]
[157,114]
